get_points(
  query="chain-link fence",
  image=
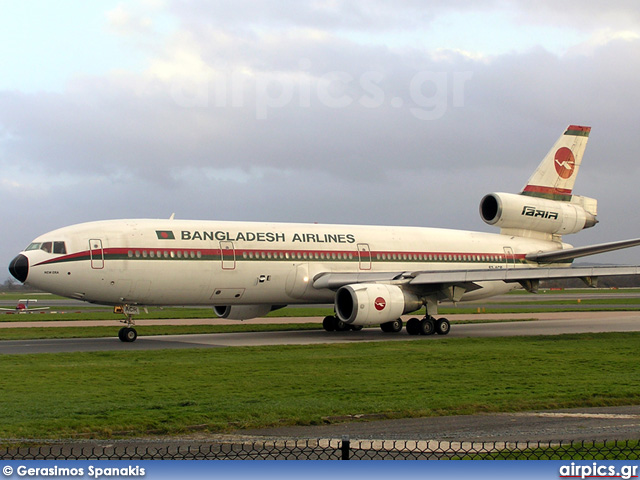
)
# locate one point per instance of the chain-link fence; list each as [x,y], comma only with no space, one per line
[317,449]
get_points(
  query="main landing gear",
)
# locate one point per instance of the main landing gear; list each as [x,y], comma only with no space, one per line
[128,334]
[334,324]
[428,326]
[415,326]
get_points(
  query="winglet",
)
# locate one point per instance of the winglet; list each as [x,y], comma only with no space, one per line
[555,176]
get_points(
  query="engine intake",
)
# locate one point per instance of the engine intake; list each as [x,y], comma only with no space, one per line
[373,303]
[520,212]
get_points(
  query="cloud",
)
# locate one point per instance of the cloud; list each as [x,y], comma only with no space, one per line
[126,22]
[307,111]
[591,15]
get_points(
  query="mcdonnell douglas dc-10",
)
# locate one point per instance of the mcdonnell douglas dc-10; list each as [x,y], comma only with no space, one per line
[371,274]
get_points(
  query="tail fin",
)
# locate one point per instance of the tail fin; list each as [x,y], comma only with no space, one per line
[546,207]
[555,176]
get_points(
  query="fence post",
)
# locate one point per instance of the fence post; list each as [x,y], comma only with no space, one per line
[345,447]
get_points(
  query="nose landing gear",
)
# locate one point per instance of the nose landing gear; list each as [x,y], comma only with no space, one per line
[128,334]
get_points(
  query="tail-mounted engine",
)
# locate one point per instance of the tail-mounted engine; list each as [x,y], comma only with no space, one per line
[519,214]
[373,303]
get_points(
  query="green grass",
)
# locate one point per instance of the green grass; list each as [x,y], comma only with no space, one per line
[121,393]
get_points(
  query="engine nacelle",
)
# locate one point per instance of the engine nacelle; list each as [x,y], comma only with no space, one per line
[522,212]
[244,312]
[373,303]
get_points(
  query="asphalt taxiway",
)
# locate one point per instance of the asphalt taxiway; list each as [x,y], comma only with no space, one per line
[576,424]
[544,324]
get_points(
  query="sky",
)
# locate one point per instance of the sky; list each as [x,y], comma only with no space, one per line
[401,112]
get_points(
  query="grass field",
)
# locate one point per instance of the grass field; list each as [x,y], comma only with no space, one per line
[107,394]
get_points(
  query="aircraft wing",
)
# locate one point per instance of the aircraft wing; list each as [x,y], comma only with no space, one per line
[577,252]
[459,277]
[527,276]
[520,274]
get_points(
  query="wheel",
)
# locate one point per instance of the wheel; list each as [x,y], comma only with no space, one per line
[357,328]
[396,325]
[127,334]
[340,326]
[329,323]
[393,326]
[442,326]
[427,326]
[413,326]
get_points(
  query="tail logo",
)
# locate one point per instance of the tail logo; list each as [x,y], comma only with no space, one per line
[565,162]
[380,303]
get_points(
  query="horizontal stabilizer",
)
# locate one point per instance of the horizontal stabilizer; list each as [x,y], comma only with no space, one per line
[571,253]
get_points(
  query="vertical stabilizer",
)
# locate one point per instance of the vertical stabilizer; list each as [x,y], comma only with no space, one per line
[555,176]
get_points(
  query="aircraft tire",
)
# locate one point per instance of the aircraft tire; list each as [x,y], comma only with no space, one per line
[357,328]
[427,326]
[127,334]
[443,327]
[393,326]
[340,326]
[329,323]
[413,326]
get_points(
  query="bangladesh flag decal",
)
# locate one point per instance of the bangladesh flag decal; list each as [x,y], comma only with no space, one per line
[165,235]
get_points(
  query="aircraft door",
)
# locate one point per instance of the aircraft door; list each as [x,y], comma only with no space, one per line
[228,255]
[364,256]
[509,257]
[96,252]
[297,281]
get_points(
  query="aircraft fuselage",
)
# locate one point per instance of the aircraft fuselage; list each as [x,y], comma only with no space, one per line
[180,262]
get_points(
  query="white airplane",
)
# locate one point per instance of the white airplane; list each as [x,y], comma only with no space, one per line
[372,274]
[23,307]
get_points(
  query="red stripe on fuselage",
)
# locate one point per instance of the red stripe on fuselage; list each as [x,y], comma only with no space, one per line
[547,190]
[287,254]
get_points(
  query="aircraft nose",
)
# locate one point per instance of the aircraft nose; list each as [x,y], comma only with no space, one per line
[19,268]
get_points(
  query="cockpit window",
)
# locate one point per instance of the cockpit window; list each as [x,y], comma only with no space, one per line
[59,247]
[49,247]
